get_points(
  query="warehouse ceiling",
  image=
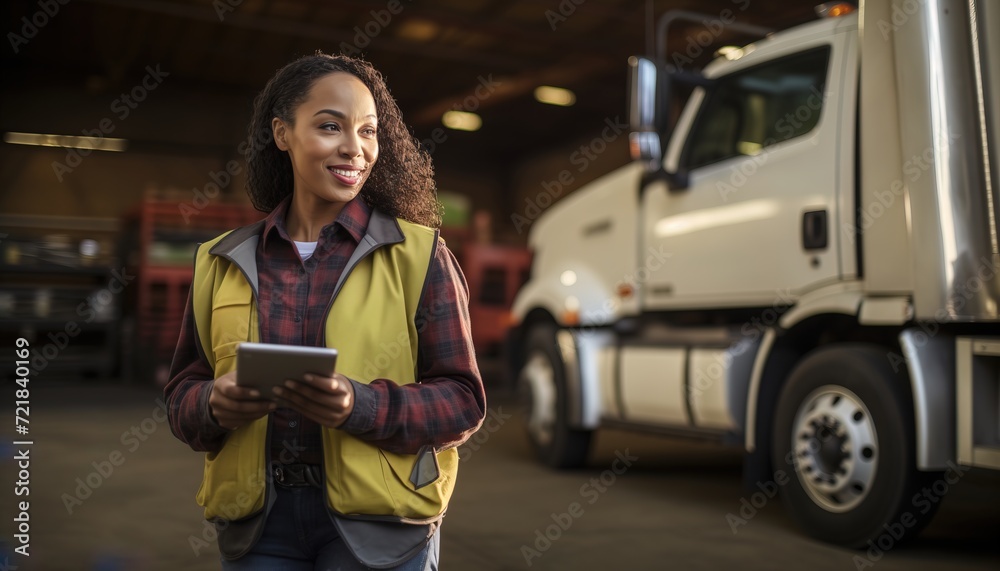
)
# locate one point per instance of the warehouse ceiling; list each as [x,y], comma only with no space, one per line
[434,54]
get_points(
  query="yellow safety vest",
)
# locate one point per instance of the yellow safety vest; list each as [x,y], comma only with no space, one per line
[372,326]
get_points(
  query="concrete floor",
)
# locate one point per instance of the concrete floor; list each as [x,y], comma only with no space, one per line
[668,510]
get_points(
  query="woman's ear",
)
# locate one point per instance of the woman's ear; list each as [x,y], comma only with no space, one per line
[278,130]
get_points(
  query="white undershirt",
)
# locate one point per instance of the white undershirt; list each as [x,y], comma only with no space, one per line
[305,249]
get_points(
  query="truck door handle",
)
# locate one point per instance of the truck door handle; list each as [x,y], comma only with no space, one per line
[814,230]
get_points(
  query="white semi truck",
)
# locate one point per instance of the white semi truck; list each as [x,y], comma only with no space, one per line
[808,268]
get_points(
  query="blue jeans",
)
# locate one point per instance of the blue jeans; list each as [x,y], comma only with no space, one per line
[299,536]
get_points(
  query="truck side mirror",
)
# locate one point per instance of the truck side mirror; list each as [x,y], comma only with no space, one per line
[644,136]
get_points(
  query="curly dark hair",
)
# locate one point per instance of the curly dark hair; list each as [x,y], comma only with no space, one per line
[401,182]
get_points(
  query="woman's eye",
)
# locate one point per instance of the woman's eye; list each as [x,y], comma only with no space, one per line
[369,131]
[330,127]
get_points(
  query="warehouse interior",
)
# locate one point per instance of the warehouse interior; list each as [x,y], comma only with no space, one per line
[124,126]
[169,87]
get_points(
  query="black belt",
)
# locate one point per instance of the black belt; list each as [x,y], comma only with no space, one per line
[297,475]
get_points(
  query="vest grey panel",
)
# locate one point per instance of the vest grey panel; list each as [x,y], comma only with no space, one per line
[240,248]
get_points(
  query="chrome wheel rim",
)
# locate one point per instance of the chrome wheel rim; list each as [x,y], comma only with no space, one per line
[836,448]
[538,383]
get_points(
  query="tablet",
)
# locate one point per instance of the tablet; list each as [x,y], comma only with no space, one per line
[263,366]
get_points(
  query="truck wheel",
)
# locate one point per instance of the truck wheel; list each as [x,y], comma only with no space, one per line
[542,386]
[844,428]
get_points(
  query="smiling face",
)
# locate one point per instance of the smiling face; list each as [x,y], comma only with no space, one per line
[332,143]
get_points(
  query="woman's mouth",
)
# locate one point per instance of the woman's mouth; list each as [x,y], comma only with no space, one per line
[350,177]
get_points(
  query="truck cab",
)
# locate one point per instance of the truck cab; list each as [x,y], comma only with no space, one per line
[805,263]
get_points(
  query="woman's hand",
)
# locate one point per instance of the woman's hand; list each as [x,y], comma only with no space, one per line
[324,400]
[233,406]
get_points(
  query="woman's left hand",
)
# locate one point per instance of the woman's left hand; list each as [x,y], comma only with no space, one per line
[325,400]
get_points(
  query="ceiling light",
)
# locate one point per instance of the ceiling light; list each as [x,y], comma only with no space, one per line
[555,95]
[66,141]
[417,29]
[462,121]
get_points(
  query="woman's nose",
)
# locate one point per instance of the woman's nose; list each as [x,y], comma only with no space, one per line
[350,147]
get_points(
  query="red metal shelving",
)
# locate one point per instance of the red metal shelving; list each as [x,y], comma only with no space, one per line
[166,234]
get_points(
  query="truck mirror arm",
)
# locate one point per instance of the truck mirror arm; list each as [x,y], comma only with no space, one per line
[692,78]
[675,180]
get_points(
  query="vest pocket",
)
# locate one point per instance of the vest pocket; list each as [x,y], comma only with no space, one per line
[225,357]
[230,327]
[362,479]
[234,481]
[354,480]
[427,501]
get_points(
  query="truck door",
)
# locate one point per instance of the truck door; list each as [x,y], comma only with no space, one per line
[760,220]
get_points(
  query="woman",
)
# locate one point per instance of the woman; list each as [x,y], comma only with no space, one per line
[353,470]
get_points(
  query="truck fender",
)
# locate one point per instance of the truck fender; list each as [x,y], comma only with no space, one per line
[580,351]
[930,361]
[842,298]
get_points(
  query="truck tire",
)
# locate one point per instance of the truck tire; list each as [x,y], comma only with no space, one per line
[542,387]
[844,438]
